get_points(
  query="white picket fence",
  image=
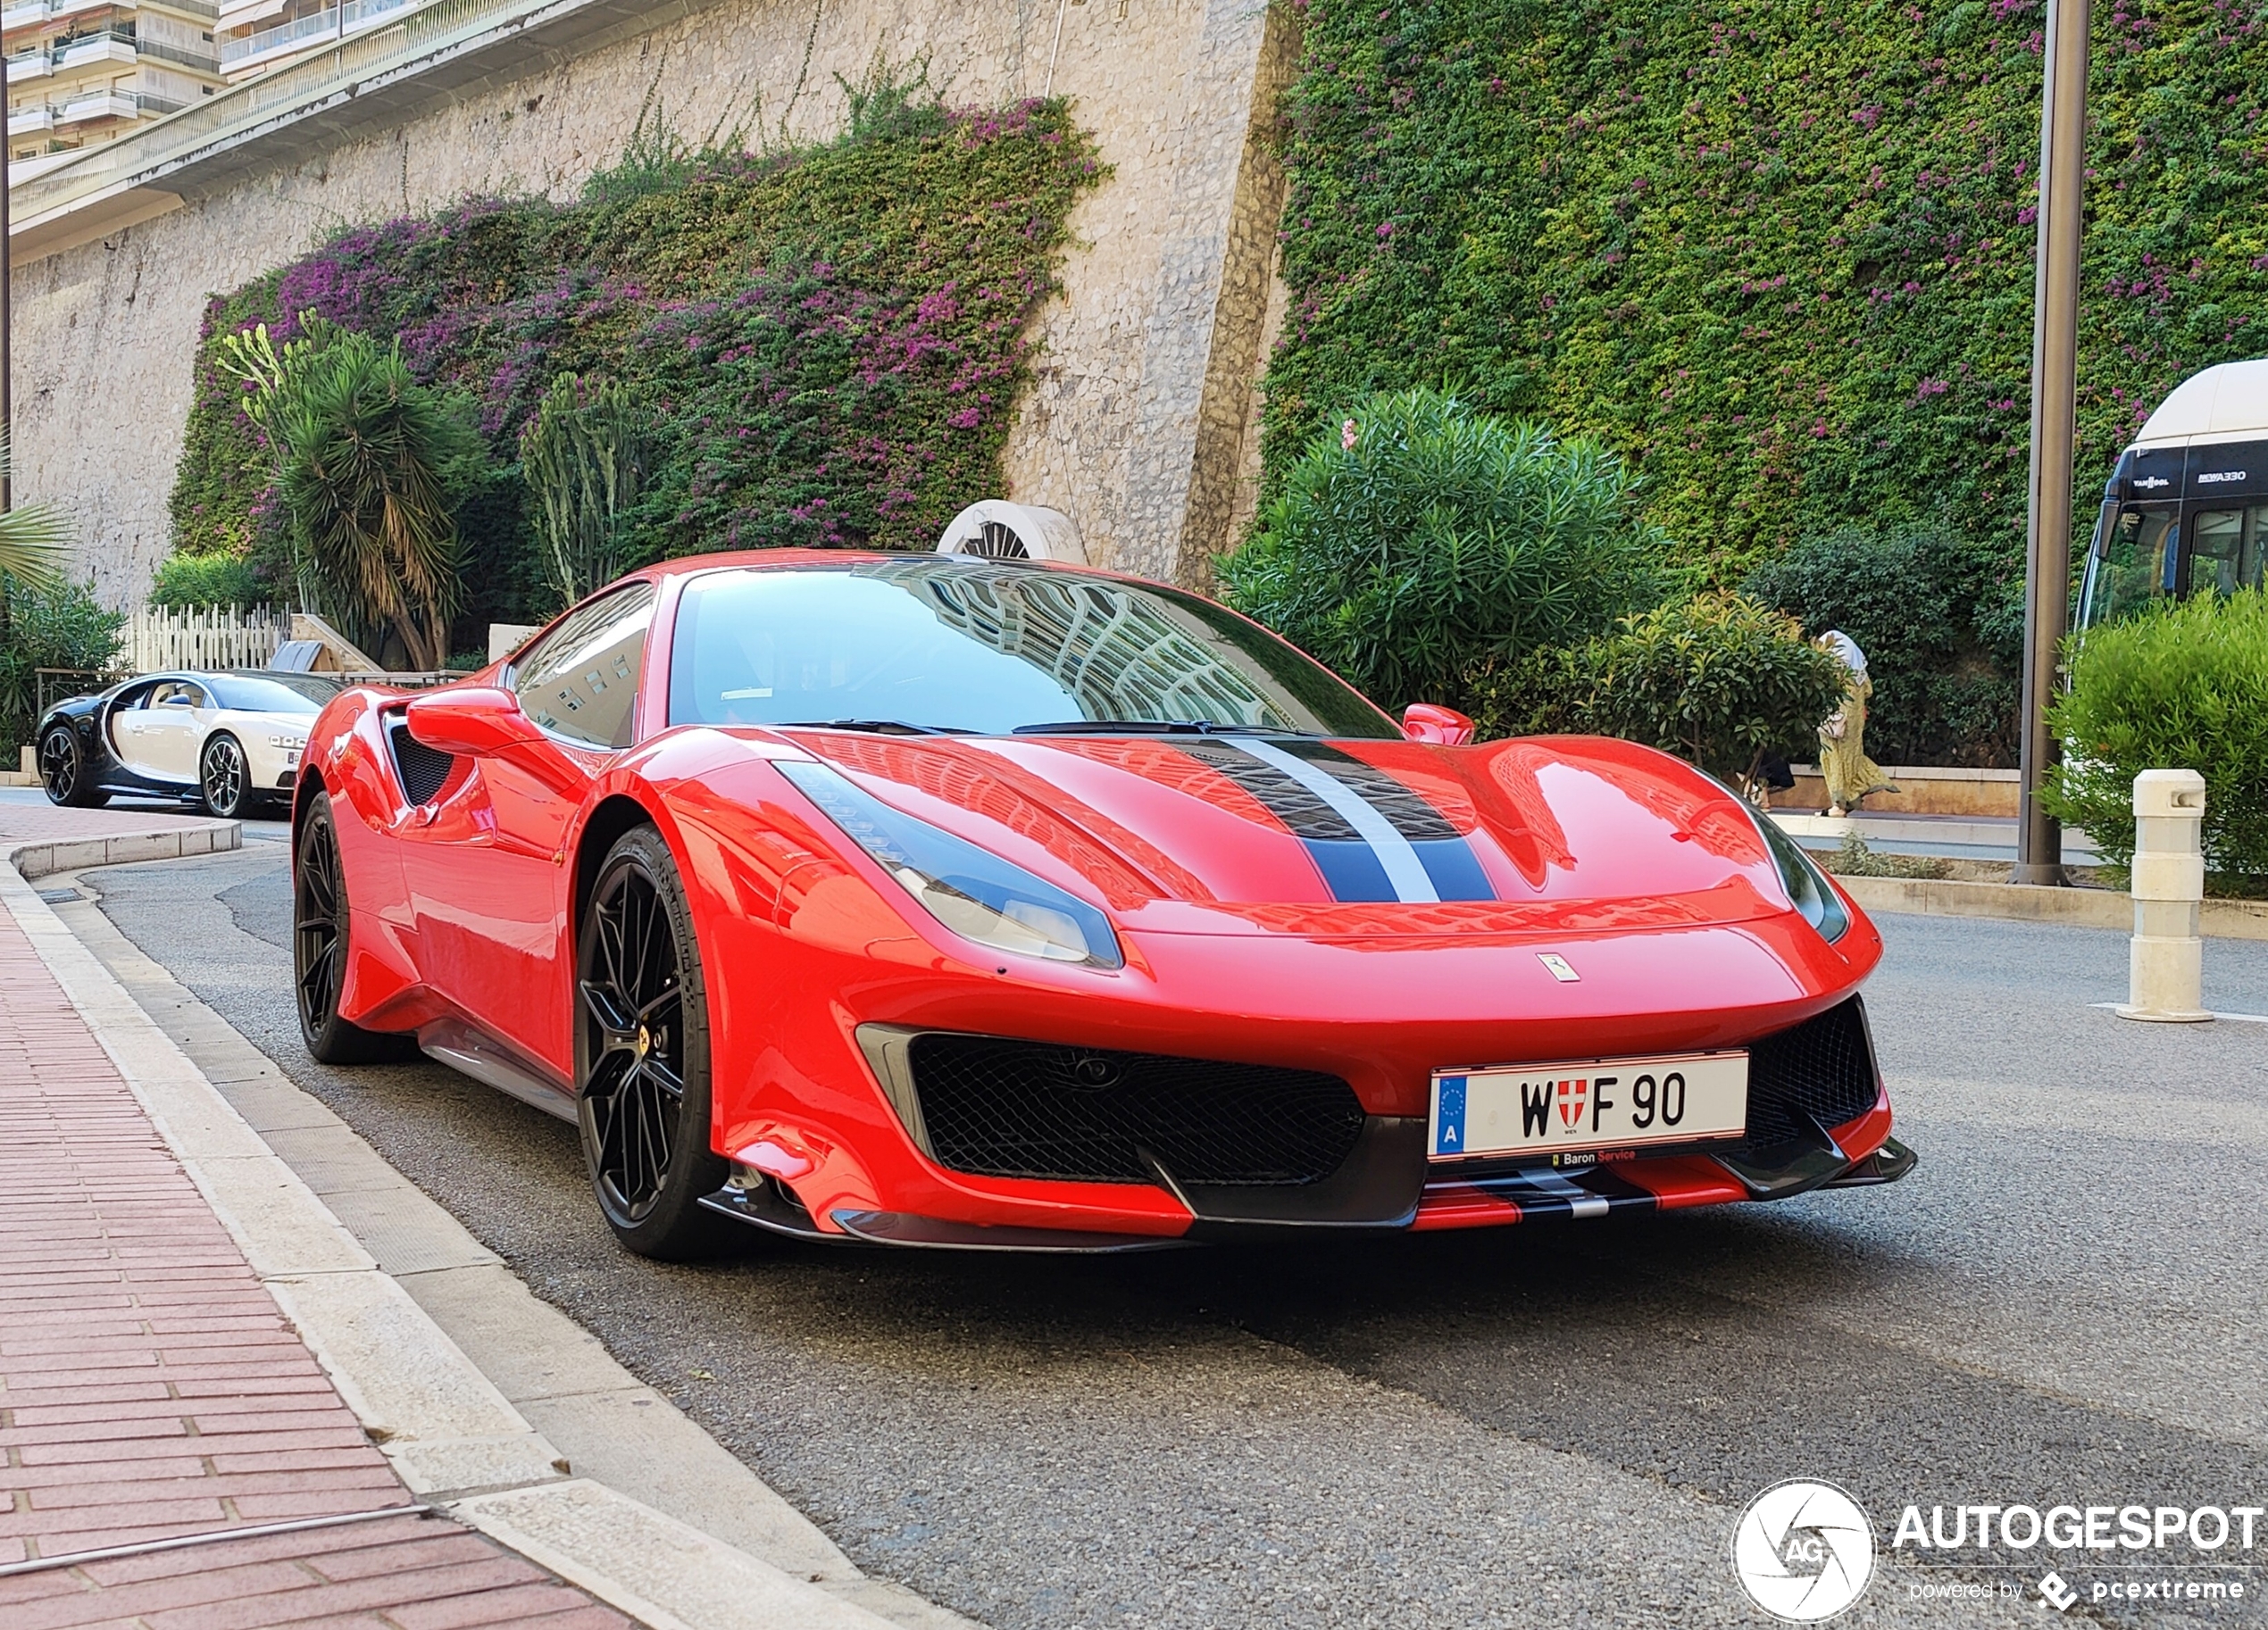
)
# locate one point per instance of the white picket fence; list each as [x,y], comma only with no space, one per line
[202,637]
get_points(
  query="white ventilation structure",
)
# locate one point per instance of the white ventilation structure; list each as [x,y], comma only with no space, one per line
[999,530]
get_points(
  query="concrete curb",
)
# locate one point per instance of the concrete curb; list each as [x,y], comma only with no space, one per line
[450,1434]
[2077,908]
[39,859]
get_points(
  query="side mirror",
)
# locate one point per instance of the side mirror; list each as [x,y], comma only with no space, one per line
[478,721]
[1422,721]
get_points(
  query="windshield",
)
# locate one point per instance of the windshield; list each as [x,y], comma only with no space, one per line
[948,643]
[247,695]
[2126,568]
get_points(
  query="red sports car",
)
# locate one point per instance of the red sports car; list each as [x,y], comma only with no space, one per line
[944,900]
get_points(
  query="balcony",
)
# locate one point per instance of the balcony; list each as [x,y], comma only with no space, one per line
[28,65]
[108,46]
[333,22]
[196,62]
[85,107]
[97,105]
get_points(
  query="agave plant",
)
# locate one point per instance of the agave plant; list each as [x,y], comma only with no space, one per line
[34,537]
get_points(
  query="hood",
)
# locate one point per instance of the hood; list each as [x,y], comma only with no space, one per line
[1236,834]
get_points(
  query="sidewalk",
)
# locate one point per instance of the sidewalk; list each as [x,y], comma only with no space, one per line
[152,1391]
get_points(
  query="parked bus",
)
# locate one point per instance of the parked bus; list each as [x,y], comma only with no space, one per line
[2187,509]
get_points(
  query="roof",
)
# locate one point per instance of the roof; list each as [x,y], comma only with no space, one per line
[2213,403]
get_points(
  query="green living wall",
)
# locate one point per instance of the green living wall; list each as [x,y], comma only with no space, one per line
[830,340]
[1777,254]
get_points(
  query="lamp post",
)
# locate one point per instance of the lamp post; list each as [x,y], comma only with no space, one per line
[2055,391]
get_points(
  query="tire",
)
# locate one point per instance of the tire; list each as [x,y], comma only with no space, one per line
[642,1057]
[320,926]
[224,777]
[63,771]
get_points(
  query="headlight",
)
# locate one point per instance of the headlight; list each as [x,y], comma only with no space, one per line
[289,744]
[1800,875]
[972,891]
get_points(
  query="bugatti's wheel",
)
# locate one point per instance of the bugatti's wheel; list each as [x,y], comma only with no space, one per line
[224,778]
[319,946]
[63,772]
[642,1055]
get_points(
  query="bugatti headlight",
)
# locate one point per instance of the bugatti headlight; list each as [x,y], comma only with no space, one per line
[289,744]
[1806,883]
[972,891]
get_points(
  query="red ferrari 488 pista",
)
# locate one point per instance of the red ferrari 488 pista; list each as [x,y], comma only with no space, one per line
[943,901]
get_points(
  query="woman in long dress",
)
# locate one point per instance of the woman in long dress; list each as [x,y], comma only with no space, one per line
[1849,774]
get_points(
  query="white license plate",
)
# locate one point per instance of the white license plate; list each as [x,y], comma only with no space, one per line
[1597,1104]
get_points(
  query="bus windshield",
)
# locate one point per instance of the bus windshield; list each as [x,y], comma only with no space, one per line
[2126,568]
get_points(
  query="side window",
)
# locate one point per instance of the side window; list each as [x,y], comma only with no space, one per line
[2225,550]
[579,681]
[175,694]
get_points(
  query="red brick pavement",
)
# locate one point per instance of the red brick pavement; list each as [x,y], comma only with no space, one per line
[150,1388]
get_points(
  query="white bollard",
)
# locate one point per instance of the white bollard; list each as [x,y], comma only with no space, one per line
[2166,965]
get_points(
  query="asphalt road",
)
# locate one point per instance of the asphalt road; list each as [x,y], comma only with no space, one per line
[1553,1424]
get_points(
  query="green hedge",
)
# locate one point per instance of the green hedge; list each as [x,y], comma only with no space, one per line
[2183,686]
[832,339]
[1778,255]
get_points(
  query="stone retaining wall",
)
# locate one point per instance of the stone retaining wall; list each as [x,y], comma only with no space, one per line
[1139,424]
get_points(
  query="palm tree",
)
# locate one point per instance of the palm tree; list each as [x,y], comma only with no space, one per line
[363,445]
[34,537]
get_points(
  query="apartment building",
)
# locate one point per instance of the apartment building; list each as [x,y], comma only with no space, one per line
[84,72]
[255,36]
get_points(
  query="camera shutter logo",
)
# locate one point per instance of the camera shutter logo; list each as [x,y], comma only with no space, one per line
[1804,1550]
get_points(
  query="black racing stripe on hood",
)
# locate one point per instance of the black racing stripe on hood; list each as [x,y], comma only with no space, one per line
[1402,806]
[1306,817]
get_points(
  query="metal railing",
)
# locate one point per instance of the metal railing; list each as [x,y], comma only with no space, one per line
[202,62]
[54,684]
[423,30]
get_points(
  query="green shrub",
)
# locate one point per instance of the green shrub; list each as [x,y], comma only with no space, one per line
[60,625]
[1431,545]
[1779,256]
[2182,685]
[1719,680]
[1941,619]
[209,579]
[1854,859]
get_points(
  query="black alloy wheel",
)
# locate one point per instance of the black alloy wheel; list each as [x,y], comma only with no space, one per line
[318,949]
[642,1055]
[63,771]
[224,778]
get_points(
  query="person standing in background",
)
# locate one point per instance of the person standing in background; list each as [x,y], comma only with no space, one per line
[1849,774]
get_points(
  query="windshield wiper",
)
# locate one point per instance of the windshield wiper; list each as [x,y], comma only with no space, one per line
[879,727]
[1153,727]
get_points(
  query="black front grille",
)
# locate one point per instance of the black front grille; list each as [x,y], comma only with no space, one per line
[1009,1108]
[423,769]
[1823,1066]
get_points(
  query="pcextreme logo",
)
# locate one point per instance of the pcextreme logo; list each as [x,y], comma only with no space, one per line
[1804,1550]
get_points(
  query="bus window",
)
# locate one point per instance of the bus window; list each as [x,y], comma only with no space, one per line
[2127,570]
[2225,550]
